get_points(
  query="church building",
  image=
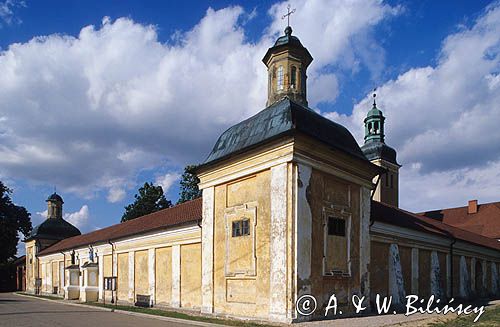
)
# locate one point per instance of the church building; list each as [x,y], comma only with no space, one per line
[291,206]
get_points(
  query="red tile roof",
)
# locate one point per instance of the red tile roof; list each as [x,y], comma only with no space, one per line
[180,214]
[485,222]
[391,215]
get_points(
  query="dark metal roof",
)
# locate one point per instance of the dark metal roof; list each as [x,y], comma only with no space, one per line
[379,150]
[55,197]
[291,43]
[284,117]
[54,229]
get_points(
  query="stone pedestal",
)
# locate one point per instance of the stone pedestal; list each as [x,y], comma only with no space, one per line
[90,290]
[72,287]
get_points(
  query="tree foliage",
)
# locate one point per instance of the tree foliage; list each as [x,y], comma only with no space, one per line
[13,220]
[189,185]
[150,199]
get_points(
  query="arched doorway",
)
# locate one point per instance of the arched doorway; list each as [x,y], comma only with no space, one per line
[479,279]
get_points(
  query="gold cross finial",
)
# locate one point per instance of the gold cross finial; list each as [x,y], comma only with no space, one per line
[287,15]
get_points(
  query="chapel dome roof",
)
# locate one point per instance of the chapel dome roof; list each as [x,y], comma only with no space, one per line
[54,229]
[55,197]
[283,118]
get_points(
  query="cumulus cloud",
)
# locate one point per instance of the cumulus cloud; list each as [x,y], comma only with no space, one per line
[79,218]
[443,119]
[167,180]
[116,194]
[88,112]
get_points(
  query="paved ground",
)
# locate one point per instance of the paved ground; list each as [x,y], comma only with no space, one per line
[20,311]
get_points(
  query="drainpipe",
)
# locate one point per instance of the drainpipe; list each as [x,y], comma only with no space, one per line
[451,268]
[64,269]
[198,222]
[113,273]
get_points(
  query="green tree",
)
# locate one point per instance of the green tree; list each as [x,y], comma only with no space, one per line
[189,185]
[150,199]
[13,220]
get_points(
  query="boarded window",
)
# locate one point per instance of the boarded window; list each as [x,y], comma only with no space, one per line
[336,226]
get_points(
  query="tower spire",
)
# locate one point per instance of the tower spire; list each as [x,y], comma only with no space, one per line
[374,123]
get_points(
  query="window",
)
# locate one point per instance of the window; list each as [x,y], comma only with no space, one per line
[293,77]
[280,78]
[392,181]
[241,227]
[336,226]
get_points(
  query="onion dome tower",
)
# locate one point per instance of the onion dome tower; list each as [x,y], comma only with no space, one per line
[381,155]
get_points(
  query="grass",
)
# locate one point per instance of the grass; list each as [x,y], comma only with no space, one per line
[163,313]
[490,318]
[42,296]
[179,315]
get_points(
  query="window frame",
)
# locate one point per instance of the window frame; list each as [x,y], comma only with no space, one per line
[240,227]
[280,79]
[340,212]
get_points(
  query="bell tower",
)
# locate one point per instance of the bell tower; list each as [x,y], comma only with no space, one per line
[381,154]
[287,63]
[54,206]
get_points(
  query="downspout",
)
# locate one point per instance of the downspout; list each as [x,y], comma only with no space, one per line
[451,266]
[64,269]
[37,288]
[113,272]
[198,222]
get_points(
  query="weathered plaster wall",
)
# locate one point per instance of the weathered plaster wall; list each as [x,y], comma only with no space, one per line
[379,269]
[164,276]
[141,273]
[405,257]
[242,288]
[191,276]
[424,283]
[123,277]
[327,192]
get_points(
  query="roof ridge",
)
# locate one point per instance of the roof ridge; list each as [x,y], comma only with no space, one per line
[461,207]
[437,224]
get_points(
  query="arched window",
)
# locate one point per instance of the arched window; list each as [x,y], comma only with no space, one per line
[280,78]
[293,77]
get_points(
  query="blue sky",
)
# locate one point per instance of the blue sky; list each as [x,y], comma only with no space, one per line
[98,97]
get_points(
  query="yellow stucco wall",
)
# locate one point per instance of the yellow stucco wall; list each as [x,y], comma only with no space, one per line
[123,286]
[107,265]
[242,288]
[55,274]
[141,273]
[191,275]
[163,275]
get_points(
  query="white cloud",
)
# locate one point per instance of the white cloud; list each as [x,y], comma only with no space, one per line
[116,194]
[167,180]
[88,113]
[443,119]
[79,218]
